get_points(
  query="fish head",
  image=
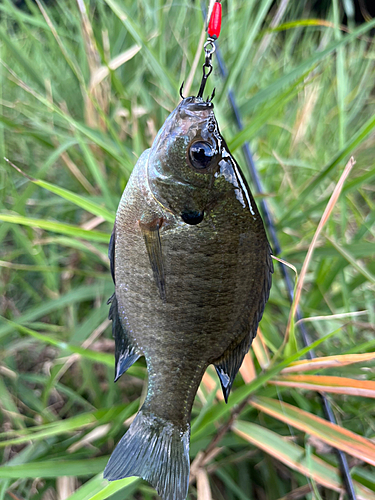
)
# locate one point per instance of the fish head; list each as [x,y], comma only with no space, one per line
[184,159]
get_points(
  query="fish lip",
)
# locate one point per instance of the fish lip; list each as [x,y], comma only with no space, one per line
[195,104]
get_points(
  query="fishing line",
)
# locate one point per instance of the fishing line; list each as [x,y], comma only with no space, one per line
[327,409]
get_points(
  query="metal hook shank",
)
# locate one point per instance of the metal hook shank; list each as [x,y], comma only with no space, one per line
[204,79]
[209,49]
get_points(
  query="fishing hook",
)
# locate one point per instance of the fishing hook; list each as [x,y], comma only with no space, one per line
[209,49]
[209,99]
[182,86]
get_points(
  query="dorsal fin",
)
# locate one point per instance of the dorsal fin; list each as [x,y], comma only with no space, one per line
[125,354]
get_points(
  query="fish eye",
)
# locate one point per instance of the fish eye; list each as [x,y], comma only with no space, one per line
[201,154]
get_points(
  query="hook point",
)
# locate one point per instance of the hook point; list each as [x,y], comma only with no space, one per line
[209,99]
[182,86]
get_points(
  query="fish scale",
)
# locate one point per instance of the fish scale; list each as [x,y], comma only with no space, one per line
[192,268]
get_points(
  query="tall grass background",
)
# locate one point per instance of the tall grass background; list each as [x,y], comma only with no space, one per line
[84,88]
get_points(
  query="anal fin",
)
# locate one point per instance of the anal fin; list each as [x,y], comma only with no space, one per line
[230,363]
[152,239]
[125,354]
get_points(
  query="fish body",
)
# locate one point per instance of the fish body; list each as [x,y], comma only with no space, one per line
[192,270]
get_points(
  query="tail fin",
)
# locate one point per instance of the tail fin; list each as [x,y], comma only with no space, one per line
[156,450]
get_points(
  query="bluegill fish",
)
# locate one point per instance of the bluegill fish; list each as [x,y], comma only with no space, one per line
[192,270]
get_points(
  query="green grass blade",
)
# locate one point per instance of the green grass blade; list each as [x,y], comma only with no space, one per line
[54,468]
[74,424]
[77,200]
[99,488]
[56,227]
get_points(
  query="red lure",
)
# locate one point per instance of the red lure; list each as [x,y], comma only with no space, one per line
[214,25]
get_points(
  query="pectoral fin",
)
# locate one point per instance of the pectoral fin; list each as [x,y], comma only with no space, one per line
[230,363]
[151,235]
[125,354]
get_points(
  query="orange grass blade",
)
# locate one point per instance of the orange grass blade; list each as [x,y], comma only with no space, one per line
[247,369]
[328,362]
[260,350]
[323,383]
[210,384]
[296,458]
[333,434]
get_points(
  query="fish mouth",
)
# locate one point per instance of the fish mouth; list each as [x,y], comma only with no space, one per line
[195,104]
[192,217]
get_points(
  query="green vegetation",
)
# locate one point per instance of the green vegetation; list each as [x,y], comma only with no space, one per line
[83,93]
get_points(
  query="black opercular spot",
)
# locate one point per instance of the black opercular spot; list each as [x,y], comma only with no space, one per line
[201,154]
[192,218]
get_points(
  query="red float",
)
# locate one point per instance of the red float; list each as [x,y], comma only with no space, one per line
[214,25]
